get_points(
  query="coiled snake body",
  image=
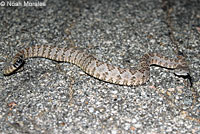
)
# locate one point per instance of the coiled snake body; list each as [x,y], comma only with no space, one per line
[99,69]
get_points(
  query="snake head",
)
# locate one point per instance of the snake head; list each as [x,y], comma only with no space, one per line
[183,71]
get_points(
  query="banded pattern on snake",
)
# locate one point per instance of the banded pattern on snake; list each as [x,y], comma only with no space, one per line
[99,69]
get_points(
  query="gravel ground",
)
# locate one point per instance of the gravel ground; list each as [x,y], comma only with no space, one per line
[47,97]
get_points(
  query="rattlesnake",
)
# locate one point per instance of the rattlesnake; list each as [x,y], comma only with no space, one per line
[99,69]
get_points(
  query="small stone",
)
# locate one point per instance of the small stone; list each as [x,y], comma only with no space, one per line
[134,120]
[114,131]
[127,126]
[91,109]
[138,125]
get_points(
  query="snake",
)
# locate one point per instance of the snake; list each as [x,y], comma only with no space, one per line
[101,70]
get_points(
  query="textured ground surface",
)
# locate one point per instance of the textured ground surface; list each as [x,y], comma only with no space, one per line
[50,97]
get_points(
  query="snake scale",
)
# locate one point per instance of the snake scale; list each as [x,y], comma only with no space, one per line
[98,69]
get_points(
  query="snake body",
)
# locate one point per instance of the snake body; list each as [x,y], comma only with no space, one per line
[98,69]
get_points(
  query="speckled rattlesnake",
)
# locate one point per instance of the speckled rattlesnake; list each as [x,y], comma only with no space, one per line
[98,69]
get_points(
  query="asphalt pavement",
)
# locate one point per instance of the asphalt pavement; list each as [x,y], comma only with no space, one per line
[47,97]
